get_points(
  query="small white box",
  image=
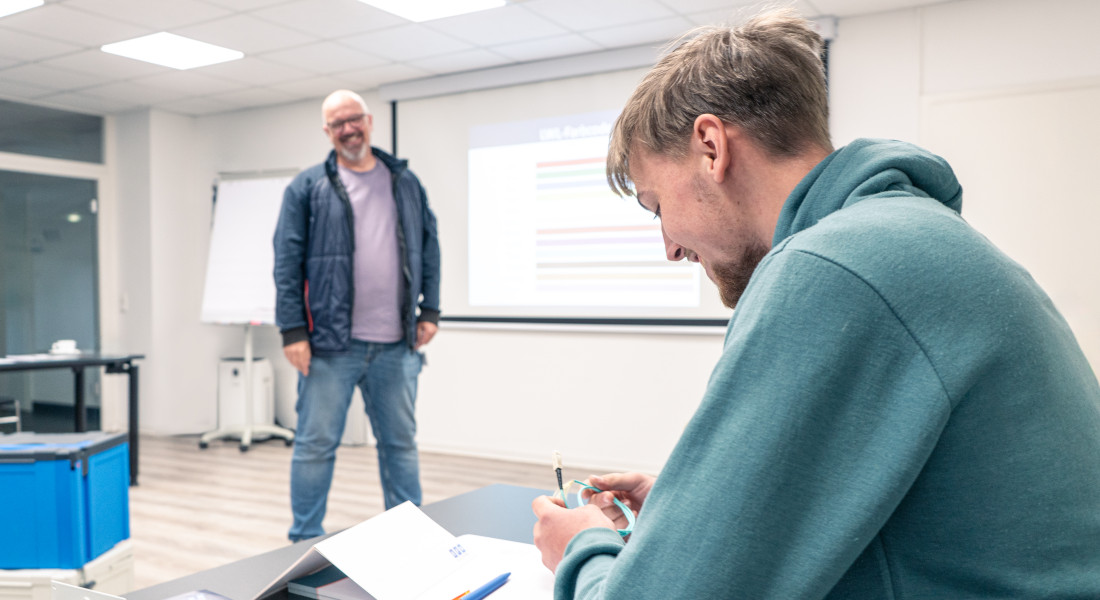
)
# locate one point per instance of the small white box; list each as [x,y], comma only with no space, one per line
[34,584]
[231,393]
[112,572]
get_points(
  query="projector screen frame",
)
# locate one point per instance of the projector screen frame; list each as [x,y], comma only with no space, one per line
[711,317]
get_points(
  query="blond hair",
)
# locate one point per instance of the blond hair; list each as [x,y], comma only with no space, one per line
[765,77]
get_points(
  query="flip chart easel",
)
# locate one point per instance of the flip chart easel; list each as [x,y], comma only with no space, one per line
[239,286]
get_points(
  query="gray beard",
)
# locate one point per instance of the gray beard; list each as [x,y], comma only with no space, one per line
[353,156]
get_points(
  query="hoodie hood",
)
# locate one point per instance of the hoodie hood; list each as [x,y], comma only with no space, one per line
[865,169]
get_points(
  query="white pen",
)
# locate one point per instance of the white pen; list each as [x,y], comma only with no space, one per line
[557,469]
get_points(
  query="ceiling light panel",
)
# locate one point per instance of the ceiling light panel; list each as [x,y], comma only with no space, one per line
[427,10]
[173,51]
[10,7]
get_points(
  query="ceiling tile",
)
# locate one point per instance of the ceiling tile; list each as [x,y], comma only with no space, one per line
[244,5]
[202,105]
[299,49]
[49,77]
[325,57]
[372,78]
[726,6]
[246,34]
[847,8]
[407,42]
[18,90]
[512,23]
[25,47]
[135,92]
[582,15]
[811,9]
[255,71]
[453,62]
[85,103]
[314,87]
[254,97]
[155,15]
[742,11]
[559,45]
[711,17]
[329,18]
[191,83]
[104,65]
[72,26]
[655,33]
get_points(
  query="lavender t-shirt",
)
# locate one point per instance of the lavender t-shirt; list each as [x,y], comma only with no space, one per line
[376,316]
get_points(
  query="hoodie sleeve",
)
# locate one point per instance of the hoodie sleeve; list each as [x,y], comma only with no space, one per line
[816,420]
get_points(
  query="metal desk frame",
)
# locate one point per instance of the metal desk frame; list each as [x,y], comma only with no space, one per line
[112,363]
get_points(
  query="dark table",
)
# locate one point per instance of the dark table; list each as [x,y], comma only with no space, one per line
[112,363]
[500,511]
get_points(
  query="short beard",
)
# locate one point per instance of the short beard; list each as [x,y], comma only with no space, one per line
[733,278]
[350,156]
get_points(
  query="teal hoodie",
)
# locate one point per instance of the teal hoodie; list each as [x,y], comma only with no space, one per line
[899,413]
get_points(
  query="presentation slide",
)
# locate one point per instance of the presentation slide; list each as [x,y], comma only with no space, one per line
[528,228]
[546,230]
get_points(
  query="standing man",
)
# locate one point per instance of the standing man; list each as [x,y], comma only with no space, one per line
[899,410]
[357,283]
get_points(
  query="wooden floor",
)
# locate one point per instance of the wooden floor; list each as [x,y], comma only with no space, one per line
[197,509]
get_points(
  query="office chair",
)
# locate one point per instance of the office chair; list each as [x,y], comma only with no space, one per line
[16,417]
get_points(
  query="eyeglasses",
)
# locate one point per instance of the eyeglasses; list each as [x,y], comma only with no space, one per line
[576,494]
[339,125]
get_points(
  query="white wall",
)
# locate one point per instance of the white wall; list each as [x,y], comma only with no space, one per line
[126,324]
[995,87]
[883,66]
[163,211]
[616,400]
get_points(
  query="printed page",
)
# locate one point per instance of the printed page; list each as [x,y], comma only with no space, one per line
[491,557]
[396,555]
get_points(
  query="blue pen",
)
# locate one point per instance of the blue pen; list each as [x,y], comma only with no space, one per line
[487,589]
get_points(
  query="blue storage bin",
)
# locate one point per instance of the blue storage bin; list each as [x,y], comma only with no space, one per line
[64,498]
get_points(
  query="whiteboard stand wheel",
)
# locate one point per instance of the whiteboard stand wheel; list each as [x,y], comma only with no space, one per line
[203,445]
[244,447]
[289,441]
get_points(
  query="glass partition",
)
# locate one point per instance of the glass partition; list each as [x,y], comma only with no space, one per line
[49,132]
[48,284]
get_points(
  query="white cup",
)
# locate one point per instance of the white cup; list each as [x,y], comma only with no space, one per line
[63,347]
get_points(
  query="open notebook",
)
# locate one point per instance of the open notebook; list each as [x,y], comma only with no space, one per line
[402,554]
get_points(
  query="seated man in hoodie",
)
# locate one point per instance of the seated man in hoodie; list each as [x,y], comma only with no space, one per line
[899,410]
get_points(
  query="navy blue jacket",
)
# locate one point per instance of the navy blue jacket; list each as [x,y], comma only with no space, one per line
[314,246]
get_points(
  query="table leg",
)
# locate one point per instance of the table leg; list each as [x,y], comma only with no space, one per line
[132,372]
[78,393]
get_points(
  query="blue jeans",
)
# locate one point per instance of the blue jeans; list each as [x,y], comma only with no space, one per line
[386,374]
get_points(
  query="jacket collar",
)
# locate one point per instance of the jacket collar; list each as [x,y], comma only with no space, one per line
[394,164]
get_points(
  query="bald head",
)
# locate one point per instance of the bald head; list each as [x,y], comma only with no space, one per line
[341,97]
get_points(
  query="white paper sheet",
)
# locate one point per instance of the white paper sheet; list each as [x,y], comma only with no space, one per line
[530,579]
[397,555]
[402,554]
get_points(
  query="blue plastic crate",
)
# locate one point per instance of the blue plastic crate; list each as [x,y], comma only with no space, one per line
[64,498]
